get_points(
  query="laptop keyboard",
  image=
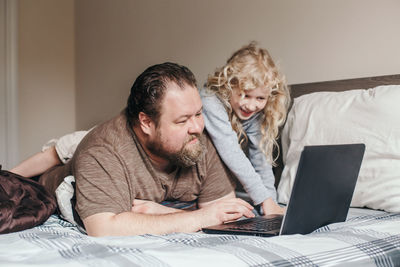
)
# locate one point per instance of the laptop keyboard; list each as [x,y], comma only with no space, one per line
[258,224]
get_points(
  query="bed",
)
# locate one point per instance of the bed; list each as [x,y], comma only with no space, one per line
[369,237]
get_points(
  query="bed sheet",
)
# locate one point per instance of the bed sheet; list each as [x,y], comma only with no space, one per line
[367,238]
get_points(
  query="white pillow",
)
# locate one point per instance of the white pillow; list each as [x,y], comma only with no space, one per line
[64,194]
[368,116]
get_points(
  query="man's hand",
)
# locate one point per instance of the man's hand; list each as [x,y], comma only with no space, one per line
[224,210]
[151,207]
[269,206]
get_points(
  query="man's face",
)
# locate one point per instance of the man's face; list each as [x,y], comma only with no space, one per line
[177,135]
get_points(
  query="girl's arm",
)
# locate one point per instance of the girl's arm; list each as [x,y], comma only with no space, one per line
[257,157]
[54,153]
[262,167]
[38,163]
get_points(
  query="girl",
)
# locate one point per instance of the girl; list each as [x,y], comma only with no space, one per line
[244,104]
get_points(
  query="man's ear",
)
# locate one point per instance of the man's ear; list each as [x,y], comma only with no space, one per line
[146,123]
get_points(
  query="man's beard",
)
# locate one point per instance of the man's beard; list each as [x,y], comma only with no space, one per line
[187,156]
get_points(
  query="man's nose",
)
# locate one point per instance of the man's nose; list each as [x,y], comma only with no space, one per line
[196,125]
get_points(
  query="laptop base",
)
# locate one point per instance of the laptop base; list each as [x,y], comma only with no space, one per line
[258,226]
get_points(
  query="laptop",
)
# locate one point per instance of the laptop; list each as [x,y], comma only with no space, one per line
[322,192]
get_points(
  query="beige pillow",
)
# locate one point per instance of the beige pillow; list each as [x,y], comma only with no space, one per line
[368,116]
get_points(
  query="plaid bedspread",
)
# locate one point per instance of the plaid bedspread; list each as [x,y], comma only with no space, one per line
[367,238]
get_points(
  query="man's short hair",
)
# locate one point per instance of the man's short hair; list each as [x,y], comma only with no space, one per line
[149,88]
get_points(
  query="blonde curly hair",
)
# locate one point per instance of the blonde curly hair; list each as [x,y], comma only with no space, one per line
[249,68]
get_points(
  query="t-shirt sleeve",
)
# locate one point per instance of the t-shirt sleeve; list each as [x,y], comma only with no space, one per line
[101,182]
[217,179]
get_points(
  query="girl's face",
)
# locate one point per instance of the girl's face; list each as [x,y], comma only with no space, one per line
[247,103]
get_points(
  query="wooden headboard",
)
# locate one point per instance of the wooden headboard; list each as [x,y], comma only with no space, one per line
[343,85]
[335,86]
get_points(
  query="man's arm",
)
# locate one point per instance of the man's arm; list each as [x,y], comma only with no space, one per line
[231,195]
[219,211]
[151,207]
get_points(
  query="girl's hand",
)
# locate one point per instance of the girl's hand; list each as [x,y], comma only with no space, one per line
[269,206]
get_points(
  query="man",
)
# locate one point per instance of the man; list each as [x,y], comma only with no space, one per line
[155,150]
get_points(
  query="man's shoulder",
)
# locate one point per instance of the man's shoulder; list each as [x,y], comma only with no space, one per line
[210,153]
[216,178]
[210,148]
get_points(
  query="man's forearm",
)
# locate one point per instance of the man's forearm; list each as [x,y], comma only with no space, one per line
[130,223]
[151,207]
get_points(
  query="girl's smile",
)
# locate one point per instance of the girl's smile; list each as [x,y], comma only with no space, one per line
[245,113]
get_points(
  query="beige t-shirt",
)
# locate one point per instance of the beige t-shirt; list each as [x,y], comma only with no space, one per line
[111,170]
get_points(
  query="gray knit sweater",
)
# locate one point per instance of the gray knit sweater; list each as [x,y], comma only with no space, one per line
[252,170]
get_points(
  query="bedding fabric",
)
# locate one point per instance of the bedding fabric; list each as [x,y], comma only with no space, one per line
[24,203]
[367,238]
[357,116]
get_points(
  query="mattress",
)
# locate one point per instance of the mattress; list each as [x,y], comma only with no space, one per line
[367,238]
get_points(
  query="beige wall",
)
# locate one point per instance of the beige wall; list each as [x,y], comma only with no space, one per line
[8,84]
[3,89]
[312,40]
[46,72]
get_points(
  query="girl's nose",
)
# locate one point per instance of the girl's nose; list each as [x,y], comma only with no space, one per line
[251,105]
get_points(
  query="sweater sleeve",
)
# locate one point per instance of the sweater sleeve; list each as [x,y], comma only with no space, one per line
[258,159]
[226,142]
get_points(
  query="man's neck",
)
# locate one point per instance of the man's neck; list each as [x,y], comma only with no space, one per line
[158,162]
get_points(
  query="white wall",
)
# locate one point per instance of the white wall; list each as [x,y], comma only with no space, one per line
[313,40]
